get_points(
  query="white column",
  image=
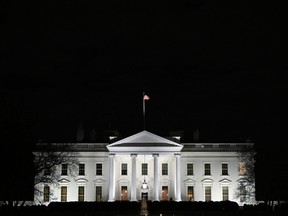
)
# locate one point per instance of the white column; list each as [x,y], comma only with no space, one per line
[156,180]
[177,179]
[133,178]
[111,178]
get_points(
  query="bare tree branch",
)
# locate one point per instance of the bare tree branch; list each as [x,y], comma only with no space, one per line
[245,190]
[50,157]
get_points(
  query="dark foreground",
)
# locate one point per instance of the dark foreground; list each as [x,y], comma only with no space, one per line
[123,208]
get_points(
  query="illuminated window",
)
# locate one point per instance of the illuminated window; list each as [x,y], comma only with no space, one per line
[164,168]
[124,169]
[189,168]
[99,169]
[64,194]
[81,193]
[64,170]
[190,193]
[46,194]
[224,168]
[242,168]
[98,193]
[144,169]
[207,169]
[225,193]
[82,169]
[208,193]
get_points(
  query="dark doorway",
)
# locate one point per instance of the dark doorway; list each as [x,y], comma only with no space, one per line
[144,194]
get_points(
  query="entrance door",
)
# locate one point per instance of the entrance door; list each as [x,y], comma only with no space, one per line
[124,193]
[190,193]
[165,195]
[144,195]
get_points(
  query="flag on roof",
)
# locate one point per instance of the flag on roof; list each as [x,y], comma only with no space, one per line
[146,97]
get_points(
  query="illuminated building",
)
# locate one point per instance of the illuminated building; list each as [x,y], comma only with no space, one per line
[158,168]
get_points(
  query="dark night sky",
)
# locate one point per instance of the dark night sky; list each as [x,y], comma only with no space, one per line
[214,66]
[206,65]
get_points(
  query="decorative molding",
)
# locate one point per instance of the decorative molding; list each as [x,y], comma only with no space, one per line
[99,181]
[207,180]
[81,180]
[189,181]
[64,180]
[225,181]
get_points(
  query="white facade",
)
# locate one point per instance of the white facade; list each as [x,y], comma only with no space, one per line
[181,172]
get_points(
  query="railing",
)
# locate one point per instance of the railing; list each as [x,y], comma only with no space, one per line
[217,146]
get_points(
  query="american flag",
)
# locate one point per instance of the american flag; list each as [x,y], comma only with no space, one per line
[146,97]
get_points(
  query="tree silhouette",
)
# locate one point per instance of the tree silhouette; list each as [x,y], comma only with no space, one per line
[48,159]
[245,190]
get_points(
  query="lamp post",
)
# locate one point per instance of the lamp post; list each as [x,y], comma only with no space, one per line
[144,185]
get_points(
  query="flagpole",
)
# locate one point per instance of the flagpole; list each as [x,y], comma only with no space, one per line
[143,111]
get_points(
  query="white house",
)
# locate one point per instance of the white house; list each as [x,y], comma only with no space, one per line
[146,164]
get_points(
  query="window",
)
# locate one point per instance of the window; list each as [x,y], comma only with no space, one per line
[189,168]
[82,169]
[144,169]
[81,193]
[164,168]
[190,193]
[98,193]
[224,168]
[225,193]
[242,169]
[207,193]
[207,169]
[46,194]
[64,194]
[99,169]
[64,170]
[124,169]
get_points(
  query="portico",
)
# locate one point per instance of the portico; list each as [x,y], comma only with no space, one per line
[145,156]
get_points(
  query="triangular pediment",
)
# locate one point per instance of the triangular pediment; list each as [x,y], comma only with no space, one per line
[225,181]
[145,142]
[145,138]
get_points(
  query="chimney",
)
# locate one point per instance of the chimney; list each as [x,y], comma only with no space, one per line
[80,132]
[196,136]
[93,135]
